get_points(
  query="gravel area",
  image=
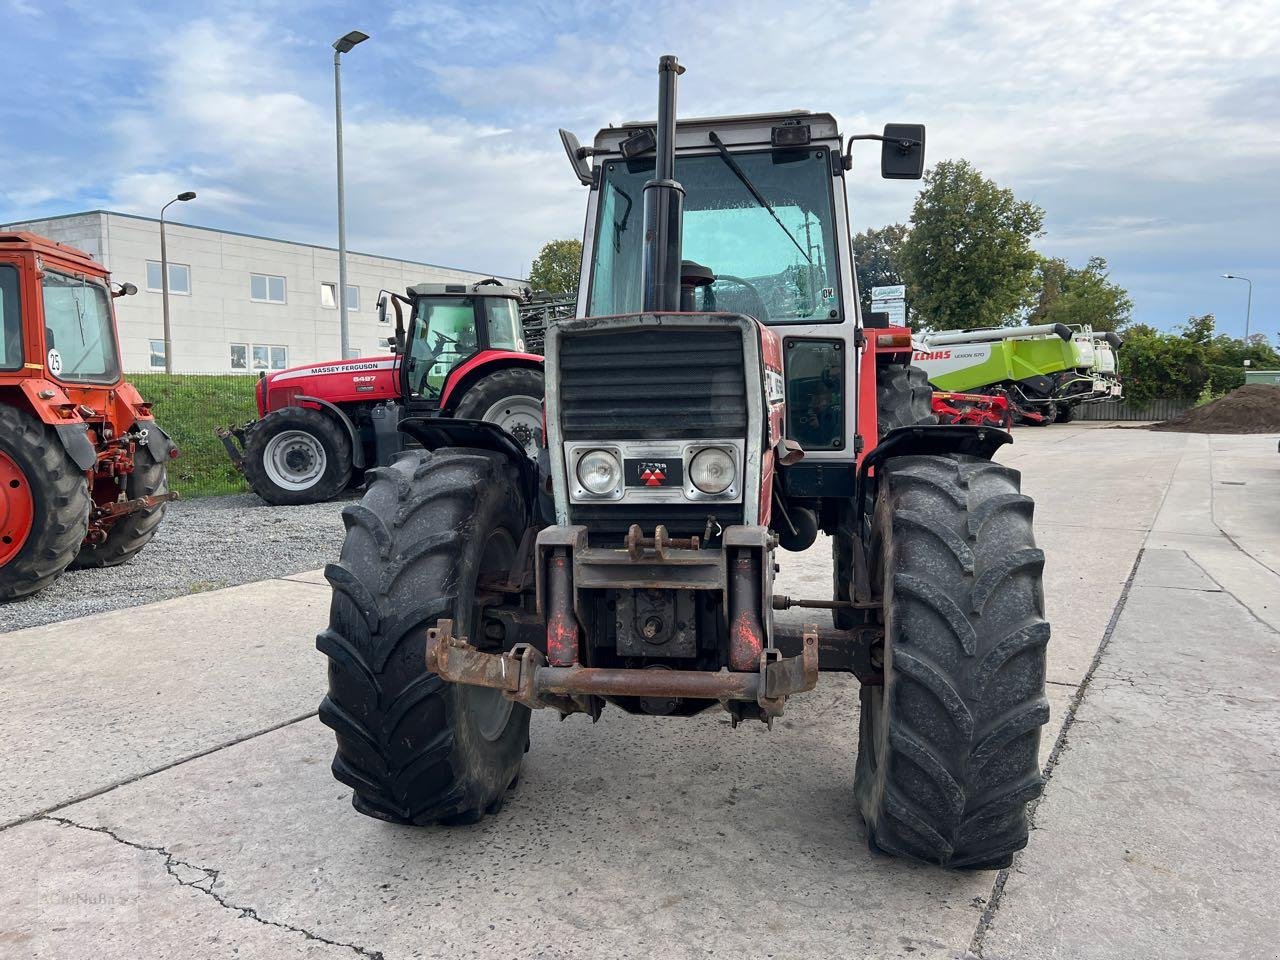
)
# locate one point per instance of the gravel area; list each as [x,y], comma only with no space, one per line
[203,544]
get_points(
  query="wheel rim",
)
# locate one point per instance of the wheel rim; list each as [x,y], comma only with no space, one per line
[489,707]
[17,508]
[519,416]
[294,459]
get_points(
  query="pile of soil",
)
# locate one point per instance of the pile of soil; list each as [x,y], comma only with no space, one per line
[1253,408]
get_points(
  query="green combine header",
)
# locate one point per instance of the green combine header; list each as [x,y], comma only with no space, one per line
[1044,371]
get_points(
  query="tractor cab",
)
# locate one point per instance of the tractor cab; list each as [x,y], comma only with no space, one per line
[452,325]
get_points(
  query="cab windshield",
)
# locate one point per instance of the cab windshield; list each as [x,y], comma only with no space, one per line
[79,341]
[777,272]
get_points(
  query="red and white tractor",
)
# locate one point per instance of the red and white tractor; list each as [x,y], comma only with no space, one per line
[715,402]
[322,425]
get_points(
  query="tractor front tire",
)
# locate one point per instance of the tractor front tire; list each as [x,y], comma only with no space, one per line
[44,506]
[413,748]
[948,746]
[510,398]
[297,455]
[128,535]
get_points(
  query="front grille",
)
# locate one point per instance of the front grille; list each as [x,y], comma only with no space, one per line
[652,384]
[607,523]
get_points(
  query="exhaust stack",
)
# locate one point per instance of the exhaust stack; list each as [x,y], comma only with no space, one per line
[663,203]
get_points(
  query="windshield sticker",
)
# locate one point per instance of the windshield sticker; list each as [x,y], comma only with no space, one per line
[55,362]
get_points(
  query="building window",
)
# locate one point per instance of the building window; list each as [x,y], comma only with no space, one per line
[266,288]
[256,357]
[157,354]
[353,353]
[329,296]
[179,278]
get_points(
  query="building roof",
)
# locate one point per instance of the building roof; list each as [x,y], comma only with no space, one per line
[253,236]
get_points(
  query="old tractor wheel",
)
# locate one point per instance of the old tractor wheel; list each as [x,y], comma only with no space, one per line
[903,397]
[44,506]
[413,748]
[297,455]
[512,399]
[948,746]
[128,535]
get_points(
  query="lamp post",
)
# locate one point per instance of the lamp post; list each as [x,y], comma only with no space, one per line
[1248,303]
[341,46]
[164,280]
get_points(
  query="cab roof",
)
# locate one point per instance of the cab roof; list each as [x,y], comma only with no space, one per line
[742,130]
[33,242]
[485,288]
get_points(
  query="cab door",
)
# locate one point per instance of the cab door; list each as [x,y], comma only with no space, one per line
[443,333]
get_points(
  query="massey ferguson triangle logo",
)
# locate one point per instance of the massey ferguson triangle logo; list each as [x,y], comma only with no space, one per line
[653,478]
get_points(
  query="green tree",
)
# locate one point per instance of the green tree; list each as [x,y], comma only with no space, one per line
[1079,295]
[877,256]
[968,260]
[1191,362]
[555,269]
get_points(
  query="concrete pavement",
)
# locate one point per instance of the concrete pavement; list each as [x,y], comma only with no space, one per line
[150,814]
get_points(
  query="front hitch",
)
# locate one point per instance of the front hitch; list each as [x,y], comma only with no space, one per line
[524,676]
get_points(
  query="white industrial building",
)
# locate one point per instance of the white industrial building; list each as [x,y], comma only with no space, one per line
[237,303]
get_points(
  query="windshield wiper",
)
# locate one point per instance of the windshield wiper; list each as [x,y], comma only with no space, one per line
[727,157]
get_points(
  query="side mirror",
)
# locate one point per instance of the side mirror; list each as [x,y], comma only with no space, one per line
[126,290]
[383,297]
[902,152]
[577,157]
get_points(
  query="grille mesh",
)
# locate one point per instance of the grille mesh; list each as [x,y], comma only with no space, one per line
[665,384]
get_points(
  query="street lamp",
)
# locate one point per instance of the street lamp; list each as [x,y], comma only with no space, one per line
[1248,304]
[164,280]
[340,46]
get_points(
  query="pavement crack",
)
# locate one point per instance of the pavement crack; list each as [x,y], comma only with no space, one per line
[205,879]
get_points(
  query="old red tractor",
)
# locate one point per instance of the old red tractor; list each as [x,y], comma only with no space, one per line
[323,425]
[82,461]
[715,402]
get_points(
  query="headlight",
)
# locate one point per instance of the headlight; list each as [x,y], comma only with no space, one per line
[599,472]
[713,470]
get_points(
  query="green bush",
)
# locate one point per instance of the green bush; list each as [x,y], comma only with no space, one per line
[190,406]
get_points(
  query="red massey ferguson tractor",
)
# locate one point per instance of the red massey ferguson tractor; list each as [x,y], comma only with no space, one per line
[715,402]
[82,462]
[323,425]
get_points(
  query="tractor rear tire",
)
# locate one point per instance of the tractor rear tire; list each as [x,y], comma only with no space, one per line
[511,398]
[413,748]
[903,397]
[948,746]
[297,455]
[44,506]
[128,535]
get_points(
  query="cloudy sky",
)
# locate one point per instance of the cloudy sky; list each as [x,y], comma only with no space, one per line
[1149,131]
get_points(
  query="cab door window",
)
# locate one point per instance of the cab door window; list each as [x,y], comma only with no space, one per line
[443,335]
[10,318]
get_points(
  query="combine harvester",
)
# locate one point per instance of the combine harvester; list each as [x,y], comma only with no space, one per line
[1041,373]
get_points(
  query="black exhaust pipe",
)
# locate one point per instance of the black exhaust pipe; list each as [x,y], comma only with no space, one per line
[663,203]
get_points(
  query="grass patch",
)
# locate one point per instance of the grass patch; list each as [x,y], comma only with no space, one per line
[190,406]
